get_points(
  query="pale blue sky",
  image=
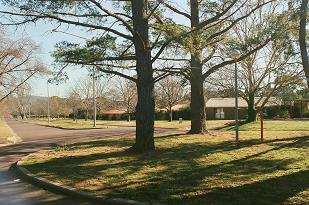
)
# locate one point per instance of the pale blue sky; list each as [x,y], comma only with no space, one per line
[41,34]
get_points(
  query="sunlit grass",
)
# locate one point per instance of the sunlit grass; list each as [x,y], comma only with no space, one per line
[5,131]
[269,125]
[278,125]
[83,124]
[187,169]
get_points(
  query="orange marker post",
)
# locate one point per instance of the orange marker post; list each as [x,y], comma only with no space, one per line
[262,127]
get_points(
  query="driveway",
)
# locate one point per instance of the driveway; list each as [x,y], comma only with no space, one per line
[36,137]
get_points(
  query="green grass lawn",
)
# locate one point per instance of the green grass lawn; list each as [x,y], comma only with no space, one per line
[5,131]
[82,124]
[211,124]
[187,169]
[269,125]
[278,125]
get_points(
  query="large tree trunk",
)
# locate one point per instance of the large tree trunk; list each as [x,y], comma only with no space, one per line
[302,38]
[198,115]
[129,112]
[129,117]
[87,115]
[145,108]
[251,109]
[171,113]
[74,114]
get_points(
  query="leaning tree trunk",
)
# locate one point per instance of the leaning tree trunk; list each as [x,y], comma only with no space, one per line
[251,109]
[145,108]
[198,114]
[302,38]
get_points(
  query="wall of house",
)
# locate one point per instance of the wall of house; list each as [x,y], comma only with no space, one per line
[229,113]
[210,113]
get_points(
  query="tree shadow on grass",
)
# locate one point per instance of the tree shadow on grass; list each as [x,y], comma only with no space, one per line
[181,174]
[271,191]
[102,143]
[185,176]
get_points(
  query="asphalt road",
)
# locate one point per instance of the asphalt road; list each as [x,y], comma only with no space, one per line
[36,137]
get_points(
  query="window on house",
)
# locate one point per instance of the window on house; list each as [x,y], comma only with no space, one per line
[219,113]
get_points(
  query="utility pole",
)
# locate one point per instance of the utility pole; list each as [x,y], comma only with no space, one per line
[48,112]
[235,56]
[55,30]
[94,98]
[236,104]
[262,126]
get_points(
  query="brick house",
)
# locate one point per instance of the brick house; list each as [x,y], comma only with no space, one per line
[224,108]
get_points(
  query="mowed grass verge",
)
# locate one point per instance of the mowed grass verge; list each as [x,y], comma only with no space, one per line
[187,169]
[82,124]
[278,125]
[5,131]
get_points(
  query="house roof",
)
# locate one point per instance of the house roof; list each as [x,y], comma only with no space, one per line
[115,112]
[230,102]
[178,107]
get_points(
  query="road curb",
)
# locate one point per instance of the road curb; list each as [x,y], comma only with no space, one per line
[26,175]
[64,128]
[97,128]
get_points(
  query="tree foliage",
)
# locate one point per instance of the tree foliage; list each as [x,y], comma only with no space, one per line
[18,63]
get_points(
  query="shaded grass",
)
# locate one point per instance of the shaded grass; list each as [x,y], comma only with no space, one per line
[5,131]
[187,169]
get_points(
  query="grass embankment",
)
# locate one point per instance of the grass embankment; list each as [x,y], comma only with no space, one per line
[82,124]
[5,131]
[187,169]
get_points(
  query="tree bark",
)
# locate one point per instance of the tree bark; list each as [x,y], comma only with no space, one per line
[145,108]
[129,112]
[171,113]
[251,109]
[74,114]
[129,117]
[87,115]
[198,114]
[302,38]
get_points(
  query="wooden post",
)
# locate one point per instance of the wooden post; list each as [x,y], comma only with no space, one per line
[262,126]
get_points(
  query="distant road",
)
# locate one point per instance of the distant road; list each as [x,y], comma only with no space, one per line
[36,137]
